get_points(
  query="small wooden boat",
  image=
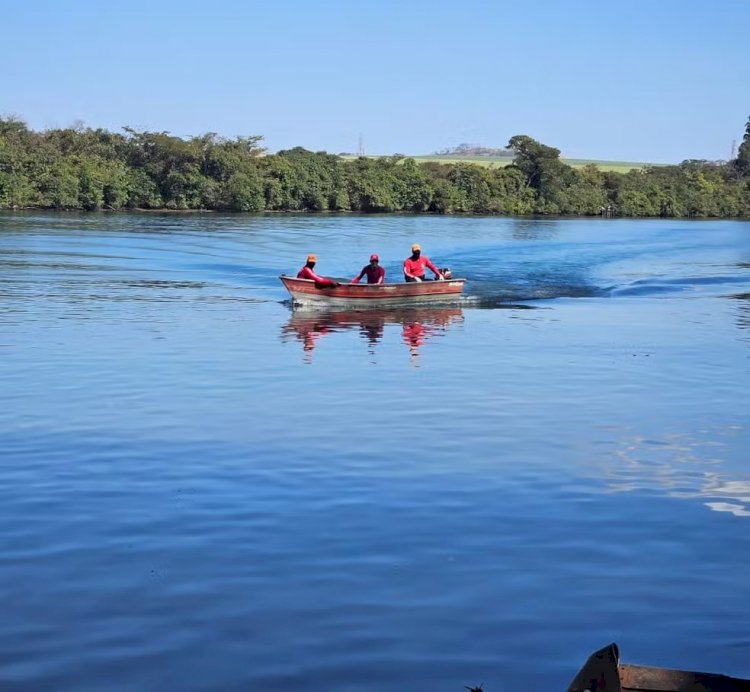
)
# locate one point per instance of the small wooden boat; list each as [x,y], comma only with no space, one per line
[603,671]
[362,296]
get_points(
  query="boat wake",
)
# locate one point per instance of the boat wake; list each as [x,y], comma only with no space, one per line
[703,285]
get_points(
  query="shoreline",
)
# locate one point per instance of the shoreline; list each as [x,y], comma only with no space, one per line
[349,212]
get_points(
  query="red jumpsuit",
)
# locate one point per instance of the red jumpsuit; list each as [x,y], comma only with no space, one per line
[307,273]
[416,267]
[375,275]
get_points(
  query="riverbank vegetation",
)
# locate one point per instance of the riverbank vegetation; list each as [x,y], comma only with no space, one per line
[95,169]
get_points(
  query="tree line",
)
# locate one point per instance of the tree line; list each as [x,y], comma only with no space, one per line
[92,169]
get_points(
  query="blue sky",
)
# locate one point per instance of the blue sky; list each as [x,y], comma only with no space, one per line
[655,80]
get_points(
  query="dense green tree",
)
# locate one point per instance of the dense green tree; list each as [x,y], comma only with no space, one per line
[16,191]
[742,162]
[373,185]
[413,189]
[473,192]
[243,192]
[83,168]
[446,198]
[142,191]
[59,187]
[16,188]
[544,172]
[312,179]
[586,194]
[511,193]
[222,158]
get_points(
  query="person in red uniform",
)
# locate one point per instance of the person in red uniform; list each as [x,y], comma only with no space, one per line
[374,272]
[414,266]
[307,273]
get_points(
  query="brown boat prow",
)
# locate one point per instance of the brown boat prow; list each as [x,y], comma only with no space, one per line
[604,672]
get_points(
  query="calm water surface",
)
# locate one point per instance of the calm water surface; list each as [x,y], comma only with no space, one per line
[201,489]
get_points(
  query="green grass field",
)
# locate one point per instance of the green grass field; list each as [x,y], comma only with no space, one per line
[501,161]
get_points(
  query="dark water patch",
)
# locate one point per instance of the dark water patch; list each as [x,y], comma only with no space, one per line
[54,266]
[516,276]
[531,288]
[239,267]
[231,299]
[42,253]
[743,311]
[160,284]
[656,285]
[644,288]
[705,280]
[496,302]
[81,297]
[244,273]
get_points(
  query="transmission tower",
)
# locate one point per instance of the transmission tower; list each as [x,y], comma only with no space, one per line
[734,147]
[361,147]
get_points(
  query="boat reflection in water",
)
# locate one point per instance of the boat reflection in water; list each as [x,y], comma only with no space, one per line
[417,326]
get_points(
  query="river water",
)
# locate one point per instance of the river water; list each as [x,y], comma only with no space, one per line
[202,489]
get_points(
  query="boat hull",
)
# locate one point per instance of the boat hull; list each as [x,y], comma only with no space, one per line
[603,671]
[307,293]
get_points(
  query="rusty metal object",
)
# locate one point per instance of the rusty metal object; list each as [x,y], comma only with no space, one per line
[604,672]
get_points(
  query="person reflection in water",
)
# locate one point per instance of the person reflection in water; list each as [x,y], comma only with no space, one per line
[371,327]
[374,272]
[307,273]
[309,334]
[414,266]
[417,327]
[414,334]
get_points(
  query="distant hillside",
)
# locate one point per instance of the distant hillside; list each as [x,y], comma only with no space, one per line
[501,161]
[474,150]
[500,157]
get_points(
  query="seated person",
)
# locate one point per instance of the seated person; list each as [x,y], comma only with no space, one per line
[375,273]
[414,266]
[307,273]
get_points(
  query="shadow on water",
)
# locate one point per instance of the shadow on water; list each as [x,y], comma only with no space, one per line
[494,302]
[498,286]
[523,288]
[535,229]
[519,277]
[658,285]
[743,311]
[417,325]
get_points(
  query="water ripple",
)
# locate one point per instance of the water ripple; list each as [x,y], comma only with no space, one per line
[203,489]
